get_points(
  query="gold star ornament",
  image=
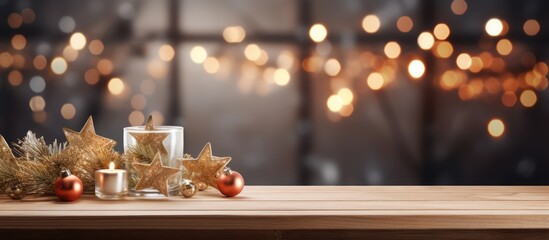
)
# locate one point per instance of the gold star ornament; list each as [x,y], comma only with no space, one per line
[156,140]
[5,151]
[204,168]
[154,175]
[87,137]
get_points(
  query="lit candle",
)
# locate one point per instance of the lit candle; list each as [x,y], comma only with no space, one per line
[111,183]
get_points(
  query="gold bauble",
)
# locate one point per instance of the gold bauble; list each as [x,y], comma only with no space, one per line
[188,189]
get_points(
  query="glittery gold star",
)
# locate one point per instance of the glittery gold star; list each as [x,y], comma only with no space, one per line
[154,175]
[5,151]
[205,167]
[156,140]
[87,137]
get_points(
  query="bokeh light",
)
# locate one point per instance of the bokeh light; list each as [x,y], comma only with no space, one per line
[496,127]
[332,67]
[531,27]
[459,7]
[405,24]
[211,65]
[37,103]
[281,77]
[375,81]
[371,23]
[166,53]
[318,32]
[335,103]
[416,69]
[252,52]
[78,41]
[96,47]
[504,47]
[441,31]
[18,42]
[528,98]
[198,54]
[425,40]
[116,86]
[234,34]
[40,62]
[58,65]
[68,111]
[392,50]
[463,61]
[136,118]
[494,27]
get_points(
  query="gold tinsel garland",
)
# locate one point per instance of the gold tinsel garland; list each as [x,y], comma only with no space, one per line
[36,164]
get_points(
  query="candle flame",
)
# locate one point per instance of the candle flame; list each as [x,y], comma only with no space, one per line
[111,166]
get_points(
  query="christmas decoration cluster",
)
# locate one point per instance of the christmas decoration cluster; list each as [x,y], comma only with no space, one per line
[67,169]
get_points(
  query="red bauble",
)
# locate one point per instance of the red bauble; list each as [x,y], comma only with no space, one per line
[68,187]
[230,183]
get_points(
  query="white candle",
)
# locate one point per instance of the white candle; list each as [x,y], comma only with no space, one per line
[111,183]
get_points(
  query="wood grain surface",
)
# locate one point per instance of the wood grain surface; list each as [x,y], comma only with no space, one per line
[295,208]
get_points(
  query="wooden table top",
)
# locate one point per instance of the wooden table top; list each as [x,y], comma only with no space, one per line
[297,207]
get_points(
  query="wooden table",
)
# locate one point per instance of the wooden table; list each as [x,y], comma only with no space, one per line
[293,212]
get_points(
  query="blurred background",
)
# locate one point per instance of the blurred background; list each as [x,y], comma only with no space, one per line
[297,92]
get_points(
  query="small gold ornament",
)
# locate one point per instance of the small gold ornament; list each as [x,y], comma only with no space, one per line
[155,140]
[201,186]
[5,151]
[154,175]
[87,137]
[188,189]
[204,168]
[16,192]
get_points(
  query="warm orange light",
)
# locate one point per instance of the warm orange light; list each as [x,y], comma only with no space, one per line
[496,127]
[78,41]
[392,50]
[252,52]
[459,7]
[166,53]
[463,61]
[444,49]
[416,69]
[58,65]
[441,31]
[531,27]
[346,95]
[18,41]
[281,77]
[504,47]
[335,103]
[425,40]
[371,23]
[528,98]
[509,98]
[116,86]
[234,34]
[332,67]
[198,54]
[37,104]
[318,32]
[494,27]
[68,111]
[105,66]
[96,47]
[111,166]
[405,24]
[375,81]
[211,65]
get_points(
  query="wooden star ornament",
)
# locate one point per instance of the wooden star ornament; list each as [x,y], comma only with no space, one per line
[87,137]
[154,175]
[205,167]
[156,140]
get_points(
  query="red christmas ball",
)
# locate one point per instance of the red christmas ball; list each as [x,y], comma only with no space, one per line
[230,183]
[68,187]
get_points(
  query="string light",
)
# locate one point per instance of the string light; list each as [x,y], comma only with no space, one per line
[405,24]
[234,34]
[463,61]
[116,86]
[392,50]
[496,127]
[416,69]
[459,7]
[504,47]
[528,98]
[335,103]
[58,65]
[375,81]
[346,96]
[531,27]
[281,77]
[252,52]
[78,41]
[318,32]
[493,27]
[18,42]
[425,40]
[332,67]
[371,23]
[198,54]
[68,111]
[441,31]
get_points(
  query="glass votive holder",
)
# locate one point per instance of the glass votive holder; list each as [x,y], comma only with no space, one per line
[111,184]
[167,140]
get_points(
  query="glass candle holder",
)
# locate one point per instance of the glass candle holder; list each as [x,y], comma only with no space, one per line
[172,145]
[111,184]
